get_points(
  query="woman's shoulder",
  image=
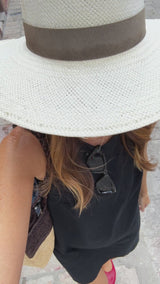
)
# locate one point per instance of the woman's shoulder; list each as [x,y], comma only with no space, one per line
[37,149]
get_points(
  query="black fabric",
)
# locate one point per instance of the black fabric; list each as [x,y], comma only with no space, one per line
[108,228]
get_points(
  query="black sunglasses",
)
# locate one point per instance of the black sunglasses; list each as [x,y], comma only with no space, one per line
[97,162]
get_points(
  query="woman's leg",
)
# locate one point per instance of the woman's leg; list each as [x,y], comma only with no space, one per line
[107,266]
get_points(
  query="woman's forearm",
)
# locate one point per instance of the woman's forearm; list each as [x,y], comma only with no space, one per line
[144,189]
[15,208]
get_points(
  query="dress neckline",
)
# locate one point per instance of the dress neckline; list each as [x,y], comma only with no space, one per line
[111,147]
[98,145]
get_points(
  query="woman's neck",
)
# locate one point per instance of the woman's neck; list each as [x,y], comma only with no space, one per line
[94,141]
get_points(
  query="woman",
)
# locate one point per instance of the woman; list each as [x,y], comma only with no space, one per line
[75,75]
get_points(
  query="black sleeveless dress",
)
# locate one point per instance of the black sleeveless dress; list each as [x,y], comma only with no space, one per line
[108,228]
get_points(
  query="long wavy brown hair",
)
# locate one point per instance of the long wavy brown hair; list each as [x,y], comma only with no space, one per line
[65,168]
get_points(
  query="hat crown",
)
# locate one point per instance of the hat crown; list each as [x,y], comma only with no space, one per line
[67,14]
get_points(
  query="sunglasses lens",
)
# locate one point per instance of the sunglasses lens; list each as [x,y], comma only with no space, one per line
[95,160]
[105,185]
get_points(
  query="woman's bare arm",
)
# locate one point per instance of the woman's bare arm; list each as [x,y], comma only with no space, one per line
[144,199]
[144,189]
[18,158]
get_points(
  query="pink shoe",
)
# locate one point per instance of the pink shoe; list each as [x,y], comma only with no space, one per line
[111,275]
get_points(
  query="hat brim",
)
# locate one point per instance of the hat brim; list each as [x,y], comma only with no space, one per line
[90,98]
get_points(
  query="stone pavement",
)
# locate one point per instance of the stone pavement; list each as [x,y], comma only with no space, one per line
[13,27]
[142,266]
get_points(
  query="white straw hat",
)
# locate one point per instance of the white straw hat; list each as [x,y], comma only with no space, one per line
[84,68]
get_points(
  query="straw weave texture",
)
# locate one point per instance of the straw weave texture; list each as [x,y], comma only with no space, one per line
[78,13]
